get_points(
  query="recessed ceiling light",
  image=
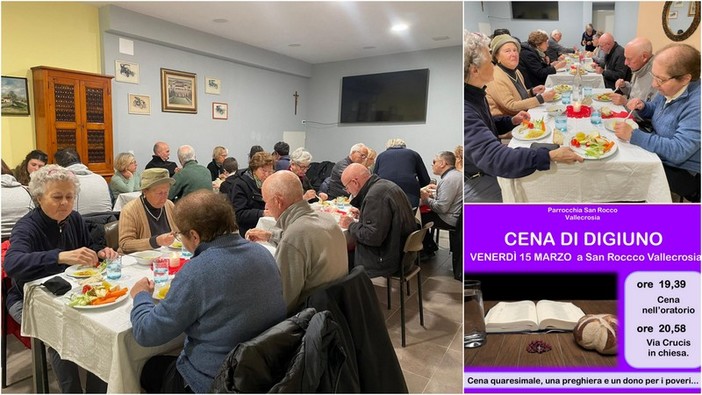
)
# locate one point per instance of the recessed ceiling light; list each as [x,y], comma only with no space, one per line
[369,47]
[399,27]
[220,20]
[294,45]
[440,38]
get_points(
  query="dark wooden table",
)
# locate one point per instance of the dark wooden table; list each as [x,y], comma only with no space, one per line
[509,349]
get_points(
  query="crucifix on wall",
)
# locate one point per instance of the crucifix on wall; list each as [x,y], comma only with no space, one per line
[296,96]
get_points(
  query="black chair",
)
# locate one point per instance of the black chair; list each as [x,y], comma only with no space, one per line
[112,235]
[409,268]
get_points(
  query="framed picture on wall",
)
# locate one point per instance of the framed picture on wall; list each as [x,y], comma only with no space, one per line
[139,104]
[15,100]
[220,110]
[178,91]
[126,72]
[213,86]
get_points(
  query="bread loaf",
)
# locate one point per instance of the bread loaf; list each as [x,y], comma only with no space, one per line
[597,332]
[557,137]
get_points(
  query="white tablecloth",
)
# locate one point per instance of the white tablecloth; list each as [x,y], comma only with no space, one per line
[98,340]
[124,198]
[631,174]
[592,80]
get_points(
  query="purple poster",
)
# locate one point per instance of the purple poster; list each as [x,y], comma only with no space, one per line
[582,298]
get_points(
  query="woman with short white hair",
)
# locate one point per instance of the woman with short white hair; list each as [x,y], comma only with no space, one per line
[299,164]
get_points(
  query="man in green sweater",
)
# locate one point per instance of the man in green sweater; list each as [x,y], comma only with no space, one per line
[193,176]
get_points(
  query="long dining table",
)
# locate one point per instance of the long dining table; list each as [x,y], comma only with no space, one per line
[630,174]
[99,340]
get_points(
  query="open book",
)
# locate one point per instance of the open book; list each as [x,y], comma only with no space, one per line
[527,316]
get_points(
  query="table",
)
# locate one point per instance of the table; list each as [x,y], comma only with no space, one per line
[124,198]
[630,175]
[592,80]
[509,349]
[99,340]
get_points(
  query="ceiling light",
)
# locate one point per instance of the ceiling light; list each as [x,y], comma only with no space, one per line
[220,20]
[399,27]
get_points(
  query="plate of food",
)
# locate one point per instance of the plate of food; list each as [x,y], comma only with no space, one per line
[531,130]
[604,97]
[555,109]
[562,88]
[81,271]
[593,145]
[97,295]
[177,244]
[582,71]
[609,124]
[556,97]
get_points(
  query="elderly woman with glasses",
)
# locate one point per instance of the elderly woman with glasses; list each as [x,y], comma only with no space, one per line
[486,158]
[126,179]
[228,293]
[148,222]
[246,194]
[46,241]
[299,164]
[675,118]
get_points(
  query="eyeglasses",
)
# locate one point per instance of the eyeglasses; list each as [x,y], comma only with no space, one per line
[363,156]
[347,184]
[661,81]
[302,167]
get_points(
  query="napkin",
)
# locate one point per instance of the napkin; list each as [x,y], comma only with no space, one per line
[584,112]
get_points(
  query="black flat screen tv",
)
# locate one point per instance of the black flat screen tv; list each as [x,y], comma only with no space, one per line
[395,97]
[535,10]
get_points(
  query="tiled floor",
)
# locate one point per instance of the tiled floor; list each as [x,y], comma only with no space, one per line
[432,361]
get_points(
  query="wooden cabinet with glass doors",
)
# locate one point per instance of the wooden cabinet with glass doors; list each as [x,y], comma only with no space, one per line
[74,109]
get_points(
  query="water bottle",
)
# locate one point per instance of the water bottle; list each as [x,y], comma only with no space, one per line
[577,85]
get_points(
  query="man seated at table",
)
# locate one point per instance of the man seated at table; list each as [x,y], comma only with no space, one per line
[638,54]
[228,293]
[613,67]
[555,49]
[383,219]
[94,195]
[311,251]
[148,222]
[675,118]
[281,155]
[447,203]
[357,154]
[160,159]
[230,167]
[45,242]
[192,177]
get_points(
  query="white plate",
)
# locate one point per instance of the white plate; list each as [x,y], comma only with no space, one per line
[609,124]
[144,258]
[74,271]
[91,307]
[563,88]
[555,109]
[581,150]
[599,97]
[521,134]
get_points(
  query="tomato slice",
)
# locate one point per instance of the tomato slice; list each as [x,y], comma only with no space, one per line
[574,142]
[86,288]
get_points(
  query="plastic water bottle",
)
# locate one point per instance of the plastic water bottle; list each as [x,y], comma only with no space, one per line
[185,254]
[577,85]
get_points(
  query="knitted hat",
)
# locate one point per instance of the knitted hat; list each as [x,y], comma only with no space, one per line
[153,176]
[501,40]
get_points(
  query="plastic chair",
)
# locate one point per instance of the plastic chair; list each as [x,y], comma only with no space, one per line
[9,326]
[409,268]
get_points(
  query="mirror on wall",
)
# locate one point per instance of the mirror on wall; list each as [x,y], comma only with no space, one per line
[680,19]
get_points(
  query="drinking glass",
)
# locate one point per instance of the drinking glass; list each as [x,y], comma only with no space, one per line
[595,117]
[565,97]
[474,334]
[160,268]
[588,91]
[562,122]
[185,254]
[114,268]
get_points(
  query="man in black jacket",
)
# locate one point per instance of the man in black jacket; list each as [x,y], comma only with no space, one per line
[613,67]
[384,220]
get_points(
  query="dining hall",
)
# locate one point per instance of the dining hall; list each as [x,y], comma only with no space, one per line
[185,181]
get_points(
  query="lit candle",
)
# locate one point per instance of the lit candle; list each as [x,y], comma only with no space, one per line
[577,105]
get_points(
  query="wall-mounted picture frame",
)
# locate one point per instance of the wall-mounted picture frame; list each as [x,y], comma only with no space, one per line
[178,91]
[139,104]
[673,15]
[213,86]
[691,10]
[15,99]
[126,72]
[220,110]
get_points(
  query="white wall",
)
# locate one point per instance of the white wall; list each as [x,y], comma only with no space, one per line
[442,130]
[474,14]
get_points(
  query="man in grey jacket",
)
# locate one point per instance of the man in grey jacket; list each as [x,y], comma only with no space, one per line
[555,49]
[444,199]
[638,55]
[383,220]
[311,250]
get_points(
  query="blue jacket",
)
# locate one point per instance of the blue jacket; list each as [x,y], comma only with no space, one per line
[676,135]
[35,243]
[405,168]
[483,150]
[228,293]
